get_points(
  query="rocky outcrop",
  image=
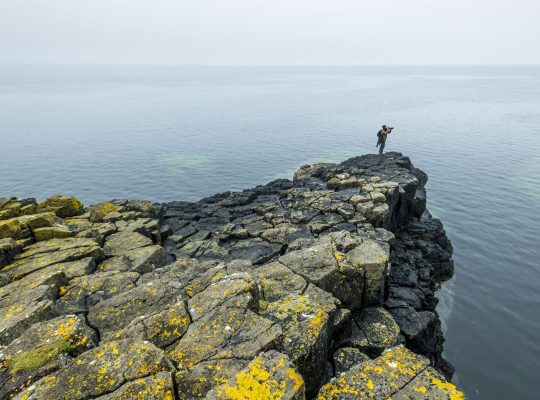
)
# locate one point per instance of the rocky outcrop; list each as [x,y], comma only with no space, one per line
[273,292]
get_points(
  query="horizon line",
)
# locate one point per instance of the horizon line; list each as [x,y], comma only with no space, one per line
[258,65]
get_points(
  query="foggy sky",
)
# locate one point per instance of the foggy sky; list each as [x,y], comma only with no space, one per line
[270,31]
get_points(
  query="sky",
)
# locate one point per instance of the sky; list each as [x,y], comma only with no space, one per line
[270,32]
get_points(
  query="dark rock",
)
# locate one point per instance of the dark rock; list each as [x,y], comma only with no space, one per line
[346,358]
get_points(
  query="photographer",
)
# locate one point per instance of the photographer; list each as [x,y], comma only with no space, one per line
[381,137]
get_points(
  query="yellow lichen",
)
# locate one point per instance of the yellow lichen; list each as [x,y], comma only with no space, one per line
[257,383]
[447,388]
[317,323]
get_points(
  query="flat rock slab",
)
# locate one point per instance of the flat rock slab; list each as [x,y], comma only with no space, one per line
[237,291]
[55,245]
[83,292]
[429,385]
[141,260]
[195,382]
[154,387]
[18,317]
[376,379]
[224,333]
[162,329]
[269,376]
[36,258]
[100,371]
[115,313]
[39,351]
[278,281]
[122,242]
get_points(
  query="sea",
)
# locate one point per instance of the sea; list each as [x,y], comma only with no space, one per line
[168,133]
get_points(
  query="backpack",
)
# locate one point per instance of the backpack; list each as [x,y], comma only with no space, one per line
[379,134]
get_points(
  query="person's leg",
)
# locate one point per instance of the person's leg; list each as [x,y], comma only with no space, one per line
[381,147]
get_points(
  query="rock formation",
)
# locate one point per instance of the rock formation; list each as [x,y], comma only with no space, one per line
[321,287]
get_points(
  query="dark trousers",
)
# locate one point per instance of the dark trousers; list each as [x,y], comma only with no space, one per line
[381,145]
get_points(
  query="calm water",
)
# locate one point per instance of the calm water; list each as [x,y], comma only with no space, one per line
[169,133]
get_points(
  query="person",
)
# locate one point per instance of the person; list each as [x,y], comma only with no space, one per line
[381,137]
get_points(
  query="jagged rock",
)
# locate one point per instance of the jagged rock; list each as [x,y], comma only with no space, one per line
[180,273]
[44,348]
[342,328]
[8,250]
[100,371]
[183,233]
[145,226]
[419,328]
[269,376]
[10,228]
[144,207]
[374,330]
[316,170]
[63,206]
[98,211]
[346,358]
[54,246]
[29,209]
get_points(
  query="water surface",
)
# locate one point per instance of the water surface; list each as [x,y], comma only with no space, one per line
[171,133]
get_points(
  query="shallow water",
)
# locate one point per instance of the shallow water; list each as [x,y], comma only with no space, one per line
[171,133]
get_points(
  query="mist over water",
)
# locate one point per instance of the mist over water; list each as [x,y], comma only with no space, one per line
[181,133]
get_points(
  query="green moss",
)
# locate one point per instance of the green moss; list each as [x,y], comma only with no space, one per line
[38,357]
